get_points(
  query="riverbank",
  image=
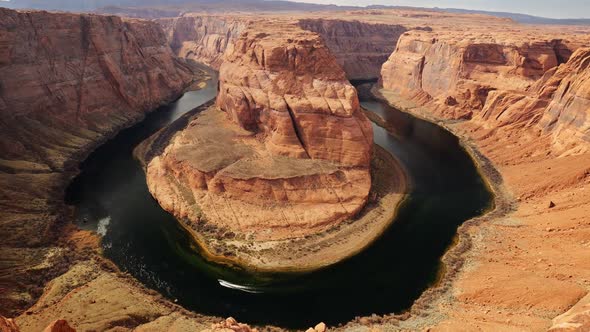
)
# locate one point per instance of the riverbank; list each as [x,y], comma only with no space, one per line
[70,272]
[390,184]
[498,274]
[35,214]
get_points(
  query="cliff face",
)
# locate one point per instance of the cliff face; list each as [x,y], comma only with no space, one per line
[202,38]
[289,155]
[67,82]
[291,89]
[360,48]
[458,71]
[568,114]
[527,100]
[497,82]
[79,74]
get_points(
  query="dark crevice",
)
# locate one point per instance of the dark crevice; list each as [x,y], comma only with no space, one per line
[297,129]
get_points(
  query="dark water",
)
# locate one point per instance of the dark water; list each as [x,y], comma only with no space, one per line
[111,196]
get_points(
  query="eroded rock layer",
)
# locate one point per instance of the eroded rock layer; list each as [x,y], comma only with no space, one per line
[568,114]
[360,48]
[524,97]
[67,82]
[202,38]
[497,81]
[289,155]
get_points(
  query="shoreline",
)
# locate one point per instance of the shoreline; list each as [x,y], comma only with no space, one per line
[507,269]
[457,254]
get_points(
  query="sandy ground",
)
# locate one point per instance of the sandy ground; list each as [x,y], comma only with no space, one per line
[527,262]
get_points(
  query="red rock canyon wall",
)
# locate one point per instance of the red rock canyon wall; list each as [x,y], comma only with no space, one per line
[67,82]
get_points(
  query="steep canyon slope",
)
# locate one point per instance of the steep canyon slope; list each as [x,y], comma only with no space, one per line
[67,83]
[360,48]
[520,100]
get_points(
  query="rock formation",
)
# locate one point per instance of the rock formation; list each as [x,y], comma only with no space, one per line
[568,114]
[97,74]
[360,48]
[458,71]
[202,38]
[285,153]
[289,87]
[497,81]
[574,320]
[59,325]
[7,325]
[67,82]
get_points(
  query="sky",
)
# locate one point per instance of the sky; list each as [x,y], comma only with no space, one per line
[544,8]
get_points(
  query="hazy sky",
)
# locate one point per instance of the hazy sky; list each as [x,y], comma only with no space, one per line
[545,8]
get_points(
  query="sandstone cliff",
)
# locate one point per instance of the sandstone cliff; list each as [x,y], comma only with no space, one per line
[202,38]
[496,80]
[288,86]
[284,154]
[67,82]
[568,114]
[360,48]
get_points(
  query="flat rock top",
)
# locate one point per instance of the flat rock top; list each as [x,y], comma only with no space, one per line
[212,143]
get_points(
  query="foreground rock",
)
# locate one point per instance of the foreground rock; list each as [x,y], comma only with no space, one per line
[67,82]
[285,154]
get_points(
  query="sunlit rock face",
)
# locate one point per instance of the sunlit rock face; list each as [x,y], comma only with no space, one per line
[80,76]
[288,86]
[286,153]
[496,80]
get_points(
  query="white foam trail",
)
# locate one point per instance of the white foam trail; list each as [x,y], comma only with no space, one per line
[246,289]
[102,226]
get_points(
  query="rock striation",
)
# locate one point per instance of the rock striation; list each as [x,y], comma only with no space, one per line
[290,88]
[495,80]
[297,144]
[567,116]
[67,82]
[202,38]
[284,153]
[360,48]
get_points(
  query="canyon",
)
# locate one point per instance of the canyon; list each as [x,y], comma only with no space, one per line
[517,96]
